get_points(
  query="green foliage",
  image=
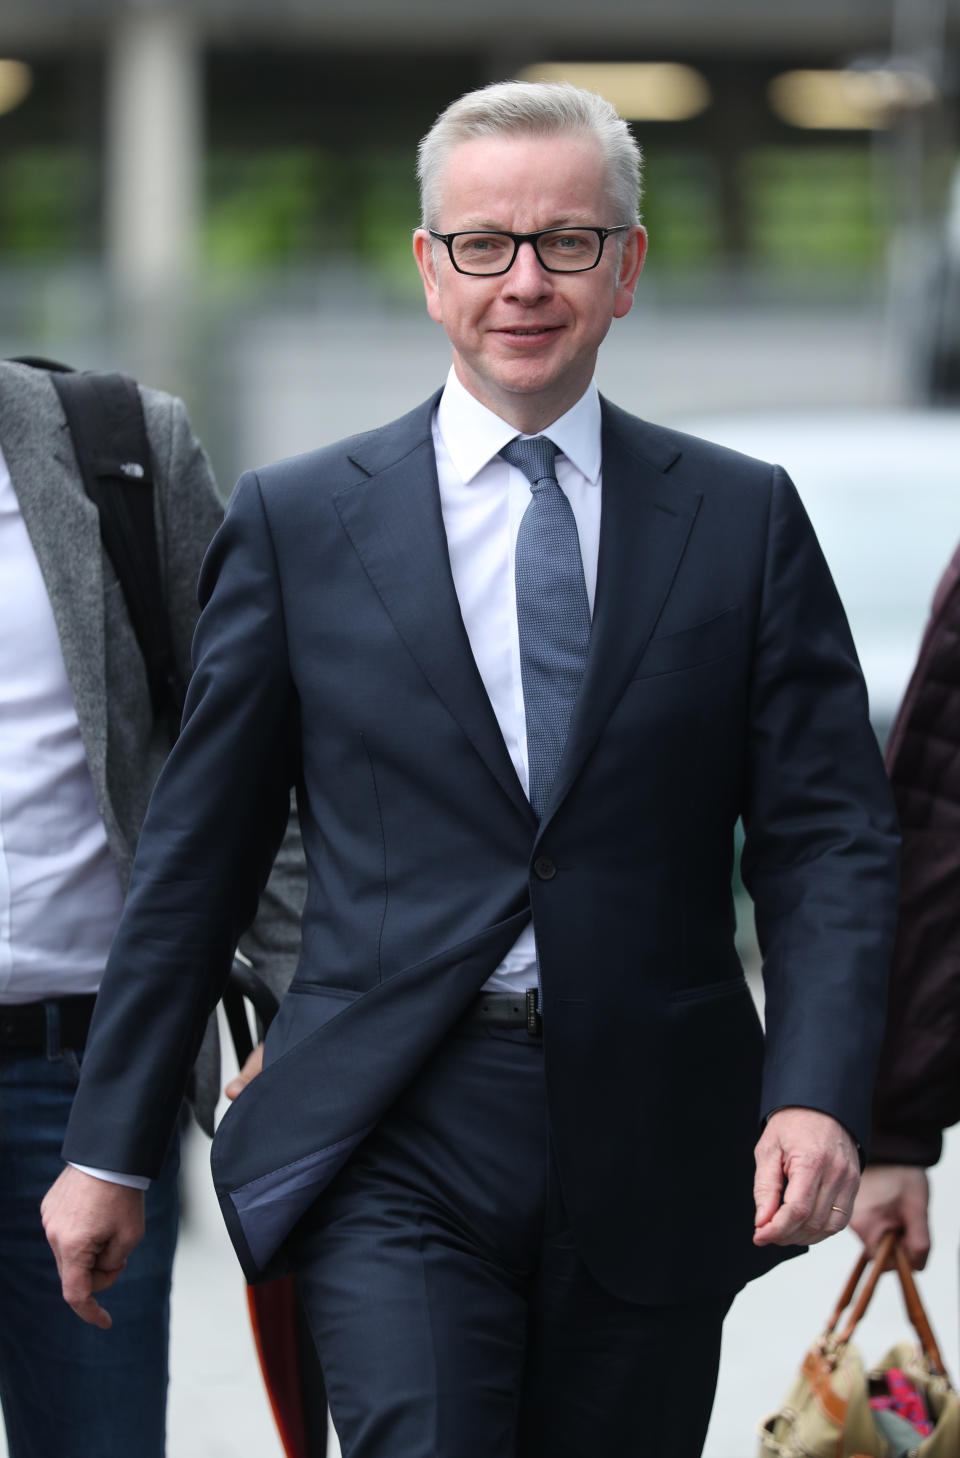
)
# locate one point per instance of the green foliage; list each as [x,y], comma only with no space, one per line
[265,209]
[681,210]
[387,211]
[306,205]
[805,208]
[48,203]
[812,206]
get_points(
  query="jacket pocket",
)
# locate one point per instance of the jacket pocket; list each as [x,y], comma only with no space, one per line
[691,647]
[707,991]
[304,1008]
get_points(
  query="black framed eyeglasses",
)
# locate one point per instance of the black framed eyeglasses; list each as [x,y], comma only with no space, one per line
[560,250]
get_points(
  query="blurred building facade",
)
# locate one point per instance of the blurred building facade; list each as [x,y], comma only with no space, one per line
[169,169]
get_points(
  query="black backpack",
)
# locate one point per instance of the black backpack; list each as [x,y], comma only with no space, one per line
[105,416]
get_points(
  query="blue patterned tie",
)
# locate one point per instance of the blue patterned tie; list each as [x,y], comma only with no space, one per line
[553,611]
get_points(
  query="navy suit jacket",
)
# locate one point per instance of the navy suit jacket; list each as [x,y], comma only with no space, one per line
[721,683]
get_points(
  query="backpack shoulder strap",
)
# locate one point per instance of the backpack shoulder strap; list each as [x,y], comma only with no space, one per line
[105,416]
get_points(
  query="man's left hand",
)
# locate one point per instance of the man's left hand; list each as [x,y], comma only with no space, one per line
[816,1159]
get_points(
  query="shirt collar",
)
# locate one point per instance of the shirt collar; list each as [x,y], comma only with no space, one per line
[473,435]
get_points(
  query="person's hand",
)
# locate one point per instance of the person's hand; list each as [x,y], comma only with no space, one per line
[247,1074]
[92,1226]
[894,1197]
[817,1160]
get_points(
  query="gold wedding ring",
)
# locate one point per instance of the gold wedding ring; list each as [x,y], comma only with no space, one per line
[839,1211]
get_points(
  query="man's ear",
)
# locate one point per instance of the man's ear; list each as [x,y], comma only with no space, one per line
[631,262]
[427,264]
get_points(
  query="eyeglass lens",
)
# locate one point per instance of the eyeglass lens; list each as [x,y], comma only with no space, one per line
[564,250]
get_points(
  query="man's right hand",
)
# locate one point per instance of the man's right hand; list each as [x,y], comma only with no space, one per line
[92,1226]
[250,1070]
[894,1197]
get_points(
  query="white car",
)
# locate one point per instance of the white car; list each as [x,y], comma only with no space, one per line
[882,489]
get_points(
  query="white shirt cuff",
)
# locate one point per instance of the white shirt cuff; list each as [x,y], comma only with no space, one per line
[135,1182]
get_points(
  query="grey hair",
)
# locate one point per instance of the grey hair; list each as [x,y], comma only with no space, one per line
[531,108]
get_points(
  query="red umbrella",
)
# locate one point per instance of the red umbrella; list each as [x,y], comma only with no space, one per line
[273,1316]
[288,1359]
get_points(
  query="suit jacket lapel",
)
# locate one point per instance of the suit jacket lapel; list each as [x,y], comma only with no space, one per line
[396,526]
[64,528]
[645,523]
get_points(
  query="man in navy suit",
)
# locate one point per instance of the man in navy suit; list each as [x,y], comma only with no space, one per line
[526,659]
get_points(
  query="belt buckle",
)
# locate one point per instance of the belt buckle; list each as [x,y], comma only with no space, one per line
[534,1020]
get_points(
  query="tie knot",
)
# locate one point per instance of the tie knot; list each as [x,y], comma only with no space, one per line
[536,457]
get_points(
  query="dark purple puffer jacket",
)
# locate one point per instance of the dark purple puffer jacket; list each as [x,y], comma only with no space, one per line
[918,1087]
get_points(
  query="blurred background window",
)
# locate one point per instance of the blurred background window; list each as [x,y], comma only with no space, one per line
[219,197]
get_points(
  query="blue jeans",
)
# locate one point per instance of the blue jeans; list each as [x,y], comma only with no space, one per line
[70,1390]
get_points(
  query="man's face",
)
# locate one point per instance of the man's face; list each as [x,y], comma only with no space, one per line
[525,342]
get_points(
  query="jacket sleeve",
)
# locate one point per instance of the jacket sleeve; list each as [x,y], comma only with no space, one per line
[189,511]
[820,856]
[918,1082]
[214,825]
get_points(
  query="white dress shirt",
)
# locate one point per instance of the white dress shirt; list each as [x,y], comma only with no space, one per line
[482,500]
[60,897]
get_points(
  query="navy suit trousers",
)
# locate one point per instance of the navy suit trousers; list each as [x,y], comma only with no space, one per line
[452,1313]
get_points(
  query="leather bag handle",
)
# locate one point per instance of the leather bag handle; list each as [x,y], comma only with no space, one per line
[889,1248]
[858,1308]
[916,1311]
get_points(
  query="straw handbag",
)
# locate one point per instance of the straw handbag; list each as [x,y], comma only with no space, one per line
[827,1412]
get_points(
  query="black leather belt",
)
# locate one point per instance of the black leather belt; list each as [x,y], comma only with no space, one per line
[24,1024]
[508,1010]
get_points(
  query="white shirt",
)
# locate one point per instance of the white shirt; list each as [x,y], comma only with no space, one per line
[60,897]
[482,499]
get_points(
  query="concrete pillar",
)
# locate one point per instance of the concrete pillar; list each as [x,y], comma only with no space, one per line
[153,148]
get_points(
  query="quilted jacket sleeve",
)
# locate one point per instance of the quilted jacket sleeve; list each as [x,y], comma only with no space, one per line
[918,1086]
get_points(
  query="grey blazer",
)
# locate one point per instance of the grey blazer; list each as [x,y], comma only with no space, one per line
[125,743]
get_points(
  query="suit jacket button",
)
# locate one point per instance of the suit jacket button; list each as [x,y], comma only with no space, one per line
[544,867]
